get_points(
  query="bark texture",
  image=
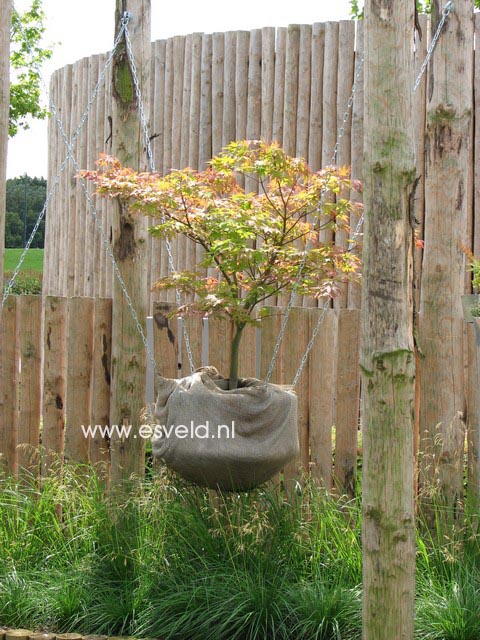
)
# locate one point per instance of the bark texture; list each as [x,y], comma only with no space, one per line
[387,354]
[448,160]
[129,245]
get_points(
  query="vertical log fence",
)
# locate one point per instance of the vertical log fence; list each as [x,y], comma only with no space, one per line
[288,84]
[75,366]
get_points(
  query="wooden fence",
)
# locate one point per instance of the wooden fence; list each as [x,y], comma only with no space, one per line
[292,85]
[49,393]
[287,84]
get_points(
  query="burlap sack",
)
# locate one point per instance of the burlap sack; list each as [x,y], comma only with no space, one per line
[259,434]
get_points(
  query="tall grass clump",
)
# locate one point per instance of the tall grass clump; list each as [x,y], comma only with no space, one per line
[178,562]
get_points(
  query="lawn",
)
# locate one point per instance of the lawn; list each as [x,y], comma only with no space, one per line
[33,260]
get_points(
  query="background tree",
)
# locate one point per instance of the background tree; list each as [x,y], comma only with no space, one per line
[20,191]
[26,58]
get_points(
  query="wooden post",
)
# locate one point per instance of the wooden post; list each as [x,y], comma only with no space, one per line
[79,372]
[4,113]
[54,382]
[387,357]
[354,293]
[316,98]
[101,378]
[30,322]
[8,387]
[321,369]
[279,81]
[347,400]
[448,157]
[129,235]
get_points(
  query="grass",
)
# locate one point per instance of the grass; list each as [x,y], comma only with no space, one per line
[171,562]
[174,562]
[29,279]
[33,260]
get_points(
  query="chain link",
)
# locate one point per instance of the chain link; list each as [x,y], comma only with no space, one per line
[151,162]
[107,245]
[78,130]
[448,8]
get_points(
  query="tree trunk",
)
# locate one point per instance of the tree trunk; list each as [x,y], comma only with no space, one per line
[387,356]
[4,112]
[235,352]
[129,245]
[448,158]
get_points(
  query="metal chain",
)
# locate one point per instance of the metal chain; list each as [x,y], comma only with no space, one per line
[108,248]
[70,156]
[447,10]
[449,7]
[53,188]
[148,146]
[341,133]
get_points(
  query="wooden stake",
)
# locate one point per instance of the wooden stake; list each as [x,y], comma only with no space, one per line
[316,98]
[254,99]
[448,160]
[9,387]
[30,322]
[388,357]
[54,382]
[101,380]
[165,342]
[205,133]
[241,84]
[291,88]
[218,54]
[354,293]
[79,372]
[195,98]
[322,397]
[268,82]
[330,76]
[279,95]
[67,251]
[304,85]
[76,186]
[128,351]
[228,134]
[91,154]
[158,87]
[296,337]
[346,57]
[101,135]
[347,394]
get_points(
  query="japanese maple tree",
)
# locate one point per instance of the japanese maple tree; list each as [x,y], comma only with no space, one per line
[255,241]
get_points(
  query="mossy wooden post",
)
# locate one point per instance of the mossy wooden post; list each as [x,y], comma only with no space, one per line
[4,112]
[387,357]
[448,156]
[129,246]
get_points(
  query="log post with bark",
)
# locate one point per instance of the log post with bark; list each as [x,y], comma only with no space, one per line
[387,354]
[129,246]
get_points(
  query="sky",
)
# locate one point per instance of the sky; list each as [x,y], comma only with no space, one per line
[83,28]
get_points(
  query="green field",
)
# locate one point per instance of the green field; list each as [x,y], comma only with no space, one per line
[33,260]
